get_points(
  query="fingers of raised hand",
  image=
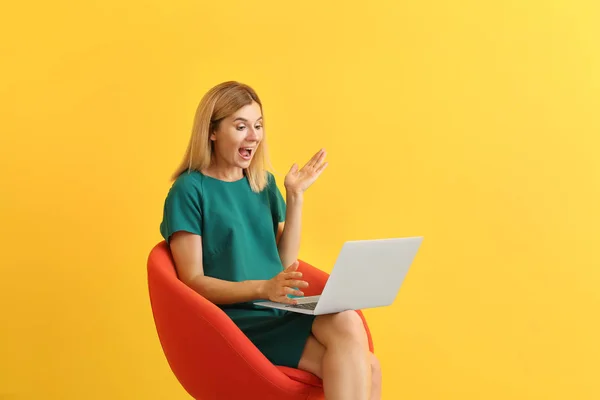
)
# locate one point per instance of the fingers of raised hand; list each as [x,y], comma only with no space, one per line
[316,159]
[321,158]
[312,160]
[321,168]
[317,165]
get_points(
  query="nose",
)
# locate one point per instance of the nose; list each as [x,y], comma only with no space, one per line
[253,135]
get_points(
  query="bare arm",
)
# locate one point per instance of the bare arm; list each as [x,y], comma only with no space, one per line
[296,183]
[289,232]
[187,254]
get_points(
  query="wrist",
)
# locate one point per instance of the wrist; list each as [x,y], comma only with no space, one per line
[296,196]
[259,291]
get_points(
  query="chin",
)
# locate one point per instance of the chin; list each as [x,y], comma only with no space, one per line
[244,163]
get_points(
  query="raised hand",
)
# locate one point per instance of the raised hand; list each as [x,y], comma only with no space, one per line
[277,288]
[297,181]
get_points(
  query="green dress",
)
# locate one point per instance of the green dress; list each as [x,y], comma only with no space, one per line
[238,229]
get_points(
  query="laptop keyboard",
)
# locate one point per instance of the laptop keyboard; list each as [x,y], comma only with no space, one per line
[305,306]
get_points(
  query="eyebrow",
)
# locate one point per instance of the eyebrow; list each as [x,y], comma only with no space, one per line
[245,120]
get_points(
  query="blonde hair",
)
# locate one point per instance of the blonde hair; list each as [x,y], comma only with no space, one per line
[218,103]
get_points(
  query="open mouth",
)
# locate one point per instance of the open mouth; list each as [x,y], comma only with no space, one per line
[246,152]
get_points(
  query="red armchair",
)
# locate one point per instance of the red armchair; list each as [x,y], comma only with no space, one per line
[208,353]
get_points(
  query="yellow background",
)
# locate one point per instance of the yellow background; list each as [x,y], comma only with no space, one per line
[473,123]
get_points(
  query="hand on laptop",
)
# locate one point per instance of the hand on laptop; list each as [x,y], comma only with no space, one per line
[283,284]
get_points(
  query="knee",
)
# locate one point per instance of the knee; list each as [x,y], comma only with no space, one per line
[348,324]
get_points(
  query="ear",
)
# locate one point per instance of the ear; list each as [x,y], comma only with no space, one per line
[213,136]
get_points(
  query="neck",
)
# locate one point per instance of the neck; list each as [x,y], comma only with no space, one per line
[224,172]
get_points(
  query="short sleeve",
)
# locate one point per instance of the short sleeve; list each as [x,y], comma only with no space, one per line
[276,201]
[182,208]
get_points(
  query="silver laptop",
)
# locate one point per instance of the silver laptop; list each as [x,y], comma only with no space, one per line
[367,274]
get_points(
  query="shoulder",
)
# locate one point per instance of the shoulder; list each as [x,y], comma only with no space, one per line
[189,178]
[183,206]
[187,184]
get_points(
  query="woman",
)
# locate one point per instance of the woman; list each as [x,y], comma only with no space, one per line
[231,234]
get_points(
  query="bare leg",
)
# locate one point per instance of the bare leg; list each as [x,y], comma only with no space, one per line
[312,357]
[376,378]
[341,344]
[312,361]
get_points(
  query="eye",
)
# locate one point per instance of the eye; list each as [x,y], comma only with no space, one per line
[258,127]
[241,127]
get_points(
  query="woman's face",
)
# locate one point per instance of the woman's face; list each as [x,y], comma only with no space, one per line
[238,136]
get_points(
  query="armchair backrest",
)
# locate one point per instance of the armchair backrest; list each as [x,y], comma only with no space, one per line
[198,339]
[187,324]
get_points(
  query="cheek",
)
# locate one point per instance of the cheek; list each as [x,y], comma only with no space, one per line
[223,148]
[227,142]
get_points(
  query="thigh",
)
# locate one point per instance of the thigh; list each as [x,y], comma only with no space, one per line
[312,357]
